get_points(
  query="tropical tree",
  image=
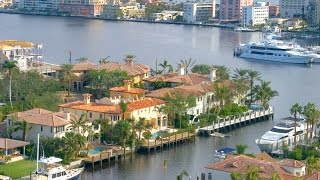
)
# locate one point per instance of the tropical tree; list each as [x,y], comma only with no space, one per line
[252,173]
[165,65]
[236,176]
[140,127]
[275,176]
[82,59]
[253,76]
[104,60]
[241,148]
[156,72]
[223,73]
[68,75]
[122,132]
[10,66]
[79,123]
[201,68]
[309,111]
[295,110]
[182,174]
[313,164]
[264,93]
[24,126]
[241,80]
[223,94]
[188,64]
[124,107]
[130,56]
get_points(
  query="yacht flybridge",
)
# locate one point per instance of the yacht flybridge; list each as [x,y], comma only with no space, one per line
[282,133]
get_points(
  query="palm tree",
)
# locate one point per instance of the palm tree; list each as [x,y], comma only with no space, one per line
[241,78]
[130,56]
[82,59]
[140,126]
[10,66]
[223,73]
[183,173]
[156,72]
[264,93]
[223,94]
[124,108]
[253,76]
[295,110]
[312,164]
[236,176]
[68,75]
[166,65]
[25,127]
[241,148]
[252,173]
[188,64]
[309,112]
[104,60]
[77,123]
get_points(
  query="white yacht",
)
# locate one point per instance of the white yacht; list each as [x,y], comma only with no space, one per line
[52,169]
[273,50]
[282,133]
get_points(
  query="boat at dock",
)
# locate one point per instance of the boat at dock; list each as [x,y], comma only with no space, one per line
[223,152]
[216,134]
[283,134]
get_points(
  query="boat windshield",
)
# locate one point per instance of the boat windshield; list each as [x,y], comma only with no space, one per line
[280,130]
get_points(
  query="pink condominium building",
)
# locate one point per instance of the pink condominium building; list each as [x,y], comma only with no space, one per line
[231,10]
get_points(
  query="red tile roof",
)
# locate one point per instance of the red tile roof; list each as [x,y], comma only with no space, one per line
[132,90]
[40,117]
[144,103]
[190,79]
[312,176]
[6,143]
[241,163]
[134,70]
[83,66]
[292,163]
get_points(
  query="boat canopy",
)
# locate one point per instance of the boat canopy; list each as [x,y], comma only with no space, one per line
[50,160]
[226,150]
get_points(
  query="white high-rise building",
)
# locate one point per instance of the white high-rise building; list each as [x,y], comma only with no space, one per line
[255,15]
[199,12]
[293,8]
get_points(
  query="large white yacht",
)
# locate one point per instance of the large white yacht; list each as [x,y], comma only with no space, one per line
[282,133]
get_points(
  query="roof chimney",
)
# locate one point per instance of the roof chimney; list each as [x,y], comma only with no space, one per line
[86,98]
[68,116]
[127,84]
[182,69]
[129,60]
[213,73]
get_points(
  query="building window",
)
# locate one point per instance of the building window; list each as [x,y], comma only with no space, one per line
[90,114]
[101,116]
[41,128]
[51,129]
[197,111]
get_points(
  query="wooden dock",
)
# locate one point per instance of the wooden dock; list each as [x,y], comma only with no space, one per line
[172,140]
[234,122]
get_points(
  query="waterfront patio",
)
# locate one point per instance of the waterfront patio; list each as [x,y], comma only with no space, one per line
[9,148]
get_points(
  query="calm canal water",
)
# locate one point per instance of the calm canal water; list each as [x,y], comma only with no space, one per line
[95,39]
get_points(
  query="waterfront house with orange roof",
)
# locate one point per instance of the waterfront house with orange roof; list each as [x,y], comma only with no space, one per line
[109,109]
[287,169]
[46,123]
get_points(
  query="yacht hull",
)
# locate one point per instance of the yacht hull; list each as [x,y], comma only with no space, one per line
[292,60]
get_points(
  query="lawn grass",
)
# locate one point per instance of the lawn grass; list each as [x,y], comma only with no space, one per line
[18,169]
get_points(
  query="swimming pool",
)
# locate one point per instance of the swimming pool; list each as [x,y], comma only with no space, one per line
[160,133]
[96,150]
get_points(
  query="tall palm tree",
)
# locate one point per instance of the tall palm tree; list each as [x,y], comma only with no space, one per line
[183,173]
[241,79]
[223,94]
[313,164]
[79,123]
[82,59]
[253,76]
[124,108]
[264,93]
[25,127]
[295,110]
[68,75]
[104,60]
[140,126]
[10,66]
[165,65]
[223,73]
[308,111]
[236,176]
[188,63]
[252,173]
